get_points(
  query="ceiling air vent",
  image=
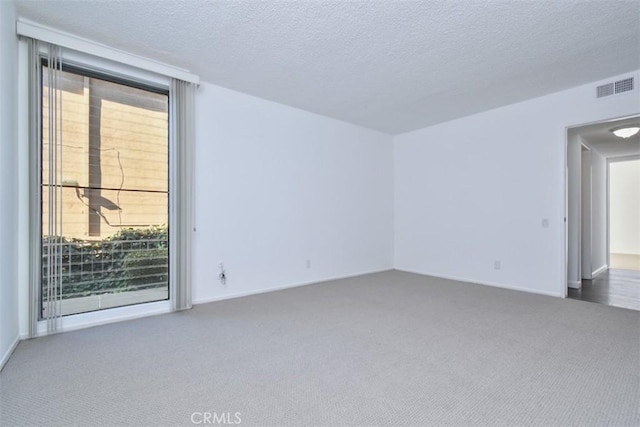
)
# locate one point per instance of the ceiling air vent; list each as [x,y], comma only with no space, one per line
[605,90]
[614,88]
[624,85]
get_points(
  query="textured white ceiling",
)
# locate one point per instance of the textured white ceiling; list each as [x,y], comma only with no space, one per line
[599,137]
[387,65]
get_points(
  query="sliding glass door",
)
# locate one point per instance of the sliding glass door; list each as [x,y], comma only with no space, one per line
[104,182]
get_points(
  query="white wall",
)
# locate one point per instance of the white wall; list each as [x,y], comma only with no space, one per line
[8,182]
[598,212]
[586,217]
[624,178]
[276,186]
[593,214]
[476,189]
[586,210]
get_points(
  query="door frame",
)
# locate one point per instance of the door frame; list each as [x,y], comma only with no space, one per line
[584,211]
[564,290]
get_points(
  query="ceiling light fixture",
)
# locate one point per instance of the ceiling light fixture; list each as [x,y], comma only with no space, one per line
[626,131]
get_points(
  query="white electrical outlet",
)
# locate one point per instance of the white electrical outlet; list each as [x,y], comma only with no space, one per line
[308,263]
[545,222]
[497,265]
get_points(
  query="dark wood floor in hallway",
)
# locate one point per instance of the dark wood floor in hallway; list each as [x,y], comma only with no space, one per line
[615,287]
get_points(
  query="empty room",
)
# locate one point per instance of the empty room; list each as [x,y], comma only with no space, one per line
[319,213]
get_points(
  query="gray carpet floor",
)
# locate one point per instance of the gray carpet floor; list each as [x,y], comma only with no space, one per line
[391,348]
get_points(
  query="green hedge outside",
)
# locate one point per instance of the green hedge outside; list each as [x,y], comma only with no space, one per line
[132,259]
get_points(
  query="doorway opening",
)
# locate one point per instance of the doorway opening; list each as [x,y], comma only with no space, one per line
[624,213]
[603,211]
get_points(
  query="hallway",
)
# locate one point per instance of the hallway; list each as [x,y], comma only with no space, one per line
[615,287]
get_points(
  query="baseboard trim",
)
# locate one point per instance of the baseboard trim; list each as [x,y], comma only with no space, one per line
[281,288]
[484,283]
[573,284]
[7,355]
[599,271]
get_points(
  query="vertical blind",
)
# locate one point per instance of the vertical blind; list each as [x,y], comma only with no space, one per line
[182,111]
[52,156]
